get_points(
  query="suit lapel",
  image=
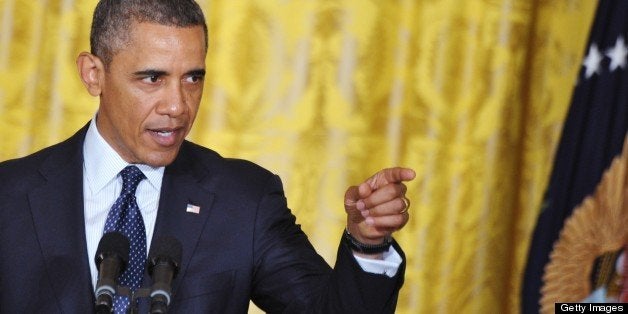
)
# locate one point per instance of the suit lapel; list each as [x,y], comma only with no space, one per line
[183,184]
[57,208]
[58,215]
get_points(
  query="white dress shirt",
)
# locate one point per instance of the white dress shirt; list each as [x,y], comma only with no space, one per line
[101,187]
[102,184]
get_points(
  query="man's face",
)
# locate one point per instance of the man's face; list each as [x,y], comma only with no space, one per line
[151,92]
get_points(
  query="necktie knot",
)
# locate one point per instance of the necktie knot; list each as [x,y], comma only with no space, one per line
[131,177]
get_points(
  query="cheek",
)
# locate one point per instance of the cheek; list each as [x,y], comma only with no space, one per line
[128,116]
[121,99]
[139,107]
[193,110]
[194,102]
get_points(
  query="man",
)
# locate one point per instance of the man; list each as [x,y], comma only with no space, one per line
[240,241]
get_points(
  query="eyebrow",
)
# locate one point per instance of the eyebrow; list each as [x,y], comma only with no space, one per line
[197,72]
[150,73]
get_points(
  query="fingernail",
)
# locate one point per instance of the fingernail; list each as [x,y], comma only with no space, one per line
[369,221]
[365,213]
[360,205]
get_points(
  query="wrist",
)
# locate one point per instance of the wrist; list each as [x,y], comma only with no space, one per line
[369,249]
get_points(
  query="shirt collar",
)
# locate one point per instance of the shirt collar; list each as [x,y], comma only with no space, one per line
[102,164]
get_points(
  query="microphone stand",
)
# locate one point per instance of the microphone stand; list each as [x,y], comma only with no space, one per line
[133,296]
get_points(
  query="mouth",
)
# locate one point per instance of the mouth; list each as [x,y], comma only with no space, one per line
[162,133]
[165,137]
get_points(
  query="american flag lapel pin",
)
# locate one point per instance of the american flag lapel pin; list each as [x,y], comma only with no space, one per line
[193,209]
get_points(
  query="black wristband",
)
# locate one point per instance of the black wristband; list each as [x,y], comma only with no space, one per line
[358,246]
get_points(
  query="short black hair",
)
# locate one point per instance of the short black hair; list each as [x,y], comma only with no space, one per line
[113,19]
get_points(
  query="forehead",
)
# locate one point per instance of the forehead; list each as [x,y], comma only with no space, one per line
[147,41]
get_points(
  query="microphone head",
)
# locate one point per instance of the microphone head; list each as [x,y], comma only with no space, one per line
[167,249]
[113,243]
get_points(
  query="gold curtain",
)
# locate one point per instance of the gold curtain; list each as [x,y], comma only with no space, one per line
[471,94]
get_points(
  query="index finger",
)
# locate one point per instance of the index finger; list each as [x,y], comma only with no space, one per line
[390,175]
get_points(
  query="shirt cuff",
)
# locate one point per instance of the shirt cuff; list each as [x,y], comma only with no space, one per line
[388,266]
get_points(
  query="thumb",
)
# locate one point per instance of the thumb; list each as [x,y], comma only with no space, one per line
[352,195]
[355,195]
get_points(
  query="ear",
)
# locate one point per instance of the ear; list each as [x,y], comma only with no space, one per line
[91,70]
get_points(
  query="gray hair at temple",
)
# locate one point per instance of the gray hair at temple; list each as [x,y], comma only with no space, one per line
[113,19]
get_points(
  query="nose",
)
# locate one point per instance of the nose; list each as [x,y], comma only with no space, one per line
[173,103]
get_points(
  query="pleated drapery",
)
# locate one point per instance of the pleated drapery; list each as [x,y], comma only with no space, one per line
[471,94]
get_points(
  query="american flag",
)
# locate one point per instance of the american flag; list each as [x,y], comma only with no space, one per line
[193,209]
[593,134]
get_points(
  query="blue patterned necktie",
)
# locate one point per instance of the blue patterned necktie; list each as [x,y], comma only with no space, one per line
[125,217]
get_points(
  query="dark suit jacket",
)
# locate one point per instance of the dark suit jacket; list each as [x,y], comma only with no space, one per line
[243,245]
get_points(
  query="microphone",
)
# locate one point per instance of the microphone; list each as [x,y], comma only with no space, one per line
[111,258]
[163,265]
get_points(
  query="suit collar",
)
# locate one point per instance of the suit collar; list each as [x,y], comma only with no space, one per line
[185,182]
[61,230]
[57,209]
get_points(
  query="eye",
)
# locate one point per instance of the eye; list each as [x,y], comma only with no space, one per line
[151,79]
[194,78]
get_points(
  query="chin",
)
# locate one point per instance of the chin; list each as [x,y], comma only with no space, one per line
[160,160]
